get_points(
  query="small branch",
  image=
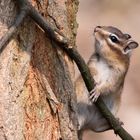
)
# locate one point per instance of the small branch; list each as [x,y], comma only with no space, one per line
[53,33]
[25,9]
[12,29]
[58,37]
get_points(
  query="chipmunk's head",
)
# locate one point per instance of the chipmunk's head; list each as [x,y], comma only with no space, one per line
[111,40]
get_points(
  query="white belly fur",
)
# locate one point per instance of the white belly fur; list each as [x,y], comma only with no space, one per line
[104,72]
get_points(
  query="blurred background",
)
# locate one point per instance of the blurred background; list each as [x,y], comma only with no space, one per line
[125,15]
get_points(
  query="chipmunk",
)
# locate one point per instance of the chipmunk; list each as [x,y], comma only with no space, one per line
[108,66]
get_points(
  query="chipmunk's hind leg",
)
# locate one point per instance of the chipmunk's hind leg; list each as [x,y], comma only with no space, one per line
[101,126]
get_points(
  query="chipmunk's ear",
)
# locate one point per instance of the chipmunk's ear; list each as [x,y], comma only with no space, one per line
[130,46]
[127,36]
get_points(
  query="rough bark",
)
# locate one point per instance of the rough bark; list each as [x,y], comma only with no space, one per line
[37,99]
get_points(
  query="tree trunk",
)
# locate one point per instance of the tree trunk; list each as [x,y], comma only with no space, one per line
[37,99]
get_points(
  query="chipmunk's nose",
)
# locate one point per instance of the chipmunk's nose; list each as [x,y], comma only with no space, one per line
[97,28]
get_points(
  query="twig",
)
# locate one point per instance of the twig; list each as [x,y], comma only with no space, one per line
[72,52]
[12,29]
[25,9]
[53,33]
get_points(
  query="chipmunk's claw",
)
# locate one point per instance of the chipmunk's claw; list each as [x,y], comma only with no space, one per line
[94,94]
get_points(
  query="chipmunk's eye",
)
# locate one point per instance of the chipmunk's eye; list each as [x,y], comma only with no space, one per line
[114,38]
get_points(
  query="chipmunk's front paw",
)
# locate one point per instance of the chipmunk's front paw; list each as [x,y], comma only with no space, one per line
[94,94]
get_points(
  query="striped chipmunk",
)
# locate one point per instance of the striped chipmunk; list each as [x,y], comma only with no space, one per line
[108,66]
